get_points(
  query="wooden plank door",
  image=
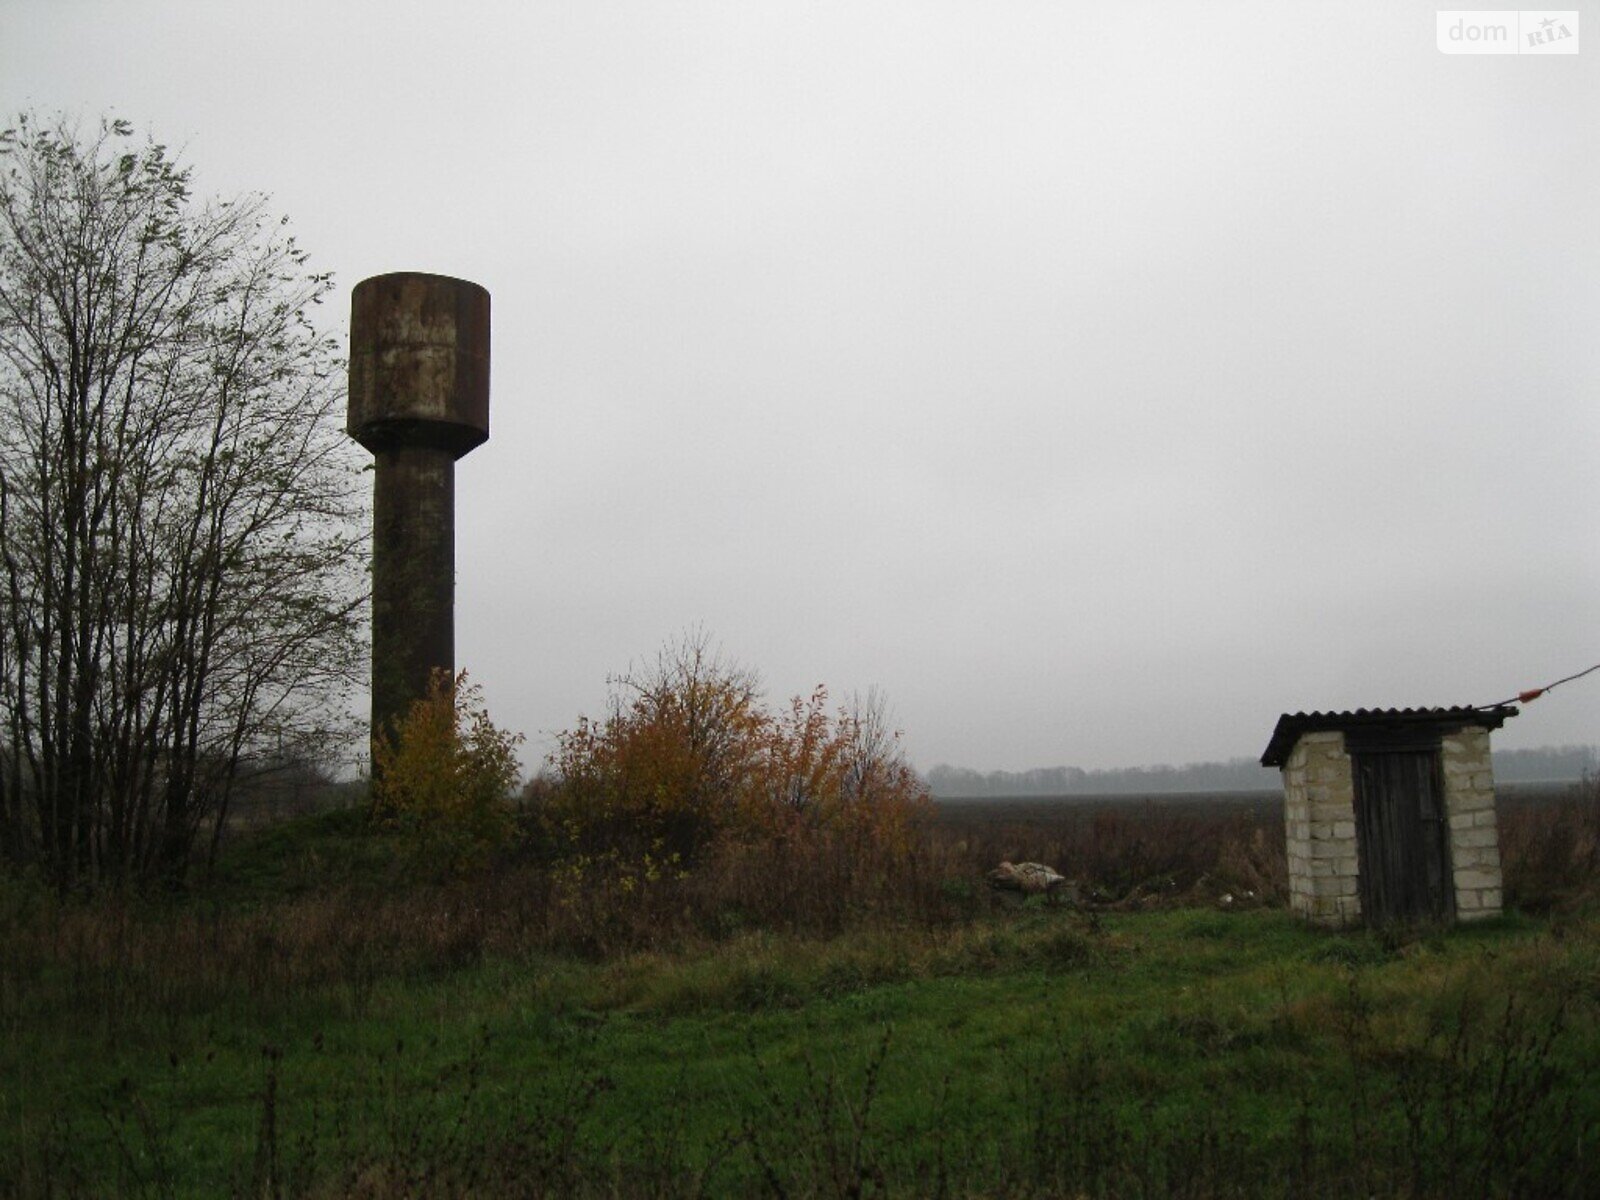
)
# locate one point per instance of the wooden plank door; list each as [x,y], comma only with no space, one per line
[1401,837]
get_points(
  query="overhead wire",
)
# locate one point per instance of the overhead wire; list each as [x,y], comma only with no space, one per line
[1534,693]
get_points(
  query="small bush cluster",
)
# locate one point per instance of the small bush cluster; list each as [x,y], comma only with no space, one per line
[444,778]
[693,789]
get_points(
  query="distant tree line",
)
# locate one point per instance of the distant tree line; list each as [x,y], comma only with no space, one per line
[1552,763]
[1546,763]
[1235,775]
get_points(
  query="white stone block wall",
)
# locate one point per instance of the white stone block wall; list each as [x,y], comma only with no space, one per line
[1320,825]
[1474,836]
[1320,822]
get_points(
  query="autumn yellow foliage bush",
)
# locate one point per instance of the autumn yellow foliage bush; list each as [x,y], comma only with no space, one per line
[445,778]
[690,762]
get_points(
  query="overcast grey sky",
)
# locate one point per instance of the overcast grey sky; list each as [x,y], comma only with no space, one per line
[1100,381]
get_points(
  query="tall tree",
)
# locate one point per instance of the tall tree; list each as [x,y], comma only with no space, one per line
[180,558]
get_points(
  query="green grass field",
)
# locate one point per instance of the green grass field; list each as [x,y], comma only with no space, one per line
[310,1024]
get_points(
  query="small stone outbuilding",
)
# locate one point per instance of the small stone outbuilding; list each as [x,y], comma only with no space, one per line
[1389,814]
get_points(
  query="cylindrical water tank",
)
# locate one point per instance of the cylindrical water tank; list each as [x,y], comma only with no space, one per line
[419,362]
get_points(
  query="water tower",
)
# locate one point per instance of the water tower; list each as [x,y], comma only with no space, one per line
[419,400]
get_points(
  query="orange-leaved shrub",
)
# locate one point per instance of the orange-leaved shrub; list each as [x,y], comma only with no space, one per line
[691,776]
[445,777]
[661,775]
[844,775]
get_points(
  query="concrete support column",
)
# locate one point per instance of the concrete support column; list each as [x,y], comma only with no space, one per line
[413,576]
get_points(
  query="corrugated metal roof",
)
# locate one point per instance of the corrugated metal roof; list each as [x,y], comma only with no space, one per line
[1291,725]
